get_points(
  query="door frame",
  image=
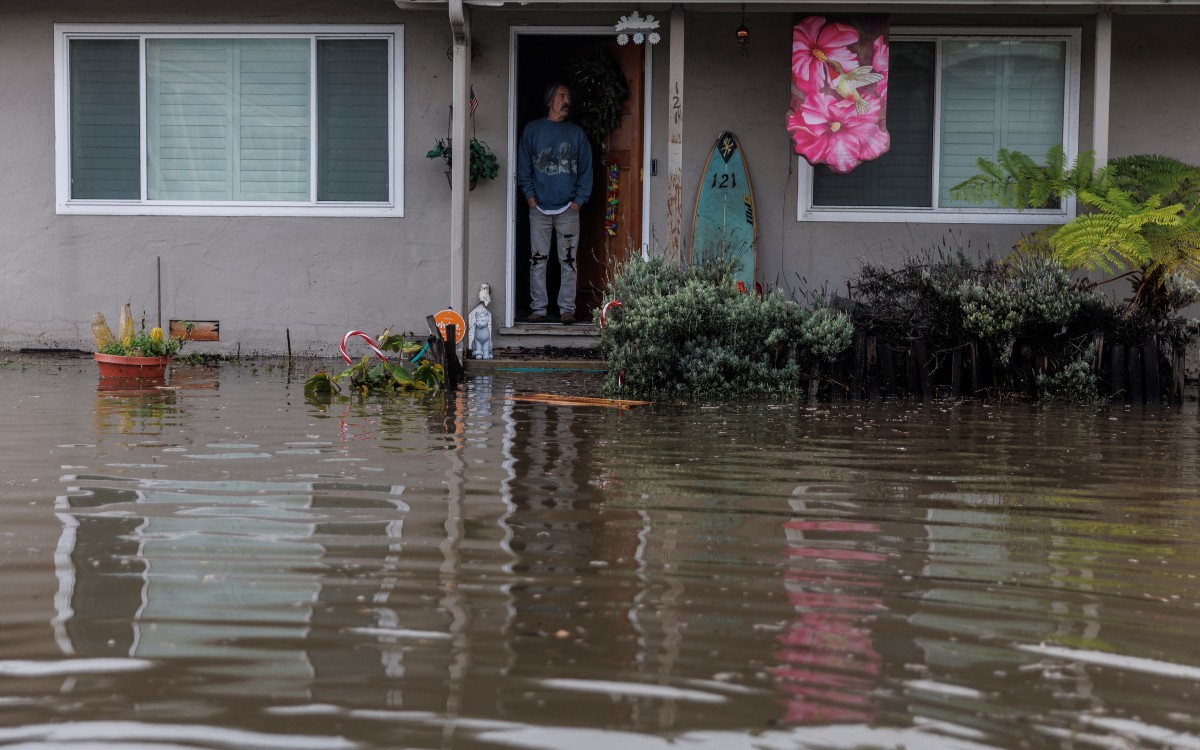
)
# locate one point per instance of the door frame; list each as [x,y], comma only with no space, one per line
[510,241]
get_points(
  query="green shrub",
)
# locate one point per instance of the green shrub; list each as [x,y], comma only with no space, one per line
[1075,382]
[1030,299]
[688,331]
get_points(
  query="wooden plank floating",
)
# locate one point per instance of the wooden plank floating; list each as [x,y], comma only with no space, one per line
[203,330]
[559,400]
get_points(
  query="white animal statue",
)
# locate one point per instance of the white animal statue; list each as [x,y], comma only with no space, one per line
[479,323]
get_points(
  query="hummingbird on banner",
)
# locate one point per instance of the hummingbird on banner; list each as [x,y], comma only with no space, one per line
[848,82]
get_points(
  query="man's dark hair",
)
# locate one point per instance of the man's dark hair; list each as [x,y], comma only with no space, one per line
[548,94]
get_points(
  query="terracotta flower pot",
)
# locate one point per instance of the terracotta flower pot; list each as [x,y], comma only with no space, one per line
[115,366]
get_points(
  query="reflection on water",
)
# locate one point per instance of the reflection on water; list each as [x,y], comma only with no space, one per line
[221,564]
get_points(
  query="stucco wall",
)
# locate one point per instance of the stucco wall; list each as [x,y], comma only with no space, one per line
[1152,110]
[259,276]
[319,277]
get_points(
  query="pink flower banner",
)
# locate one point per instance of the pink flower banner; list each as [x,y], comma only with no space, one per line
[839,90]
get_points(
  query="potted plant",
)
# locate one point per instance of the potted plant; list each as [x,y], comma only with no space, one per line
[135,355]
[484,163]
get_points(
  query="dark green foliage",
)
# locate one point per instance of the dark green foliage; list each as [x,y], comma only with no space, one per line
[372,375]
[147,344]
[483,162]
[598,91]
[1145,175]
[687,332]
[376,376]
[1015,180]
[1144,214]
[1075,382]
[1027,307]
[945,299]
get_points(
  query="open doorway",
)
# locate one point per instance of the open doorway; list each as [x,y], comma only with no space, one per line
[611,220]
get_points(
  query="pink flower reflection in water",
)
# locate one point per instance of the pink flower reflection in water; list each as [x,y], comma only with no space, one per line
[828,664]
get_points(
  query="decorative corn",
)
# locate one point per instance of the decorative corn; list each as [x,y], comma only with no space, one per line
[101,333]
[126,328]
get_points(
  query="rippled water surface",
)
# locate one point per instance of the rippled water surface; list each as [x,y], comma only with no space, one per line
[223,565]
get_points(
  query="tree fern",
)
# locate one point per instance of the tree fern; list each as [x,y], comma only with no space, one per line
[1142,212]
[1145,175]
[1015,180]
[1117,235]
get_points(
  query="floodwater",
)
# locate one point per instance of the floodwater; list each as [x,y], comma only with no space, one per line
[223,565]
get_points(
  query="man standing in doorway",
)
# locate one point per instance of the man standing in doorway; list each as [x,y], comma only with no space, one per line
[554,172]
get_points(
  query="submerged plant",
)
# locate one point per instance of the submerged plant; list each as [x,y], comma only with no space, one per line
[1075,382]
[371,375]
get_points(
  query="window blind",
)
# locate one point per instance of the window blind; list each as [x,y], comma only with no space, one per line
[998,94]
[105,119]
[228,119]
[352,120]
[902,177]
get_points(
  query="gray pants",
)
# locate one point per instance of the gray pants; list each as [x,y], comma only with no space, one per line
[566,226]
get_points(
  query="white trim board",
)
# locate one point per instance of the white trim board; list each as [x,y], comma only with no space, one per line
[63,33]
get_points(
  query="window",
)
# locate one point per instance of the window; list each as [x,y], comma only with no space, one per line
[261,121]
[952,98]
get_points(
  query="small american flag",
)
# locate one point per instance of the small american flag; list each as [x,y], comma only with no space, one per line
[474,102]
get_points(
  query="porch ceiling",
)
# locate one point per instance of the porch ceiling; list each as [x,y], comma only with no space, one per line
[1129,6]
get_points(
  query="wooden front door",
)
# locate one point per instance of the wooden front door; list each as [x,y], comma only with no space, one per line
[612,221]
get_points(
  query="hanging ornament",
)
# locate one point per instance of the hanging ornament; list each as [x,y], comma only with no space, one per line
[612,199]
[743,36]
[637,25]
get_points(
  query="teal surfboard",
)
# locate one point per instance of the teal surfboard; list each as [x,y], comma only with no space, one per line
[724,224]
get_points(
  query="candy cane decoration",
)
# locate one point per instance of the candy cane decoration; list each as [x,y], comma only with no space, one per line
[370,343]
[603,318]
[604,311]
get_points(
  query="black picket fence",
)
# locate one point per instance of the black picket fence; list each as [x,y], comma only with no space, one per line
[877,369]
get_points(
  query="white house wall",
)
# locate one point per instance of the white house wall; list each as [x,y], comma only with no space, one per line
[319,277]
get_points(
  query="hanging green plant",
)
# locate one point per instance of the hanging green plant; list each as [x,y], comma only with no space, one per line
[598,91]
[484,163]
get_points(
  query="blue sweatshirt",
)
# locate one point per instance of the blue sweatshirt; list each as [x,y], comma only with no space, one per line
[554,164]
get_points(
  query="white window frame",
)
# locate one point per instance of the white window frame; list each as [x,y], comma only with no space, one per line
[806,212]
[64,204]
